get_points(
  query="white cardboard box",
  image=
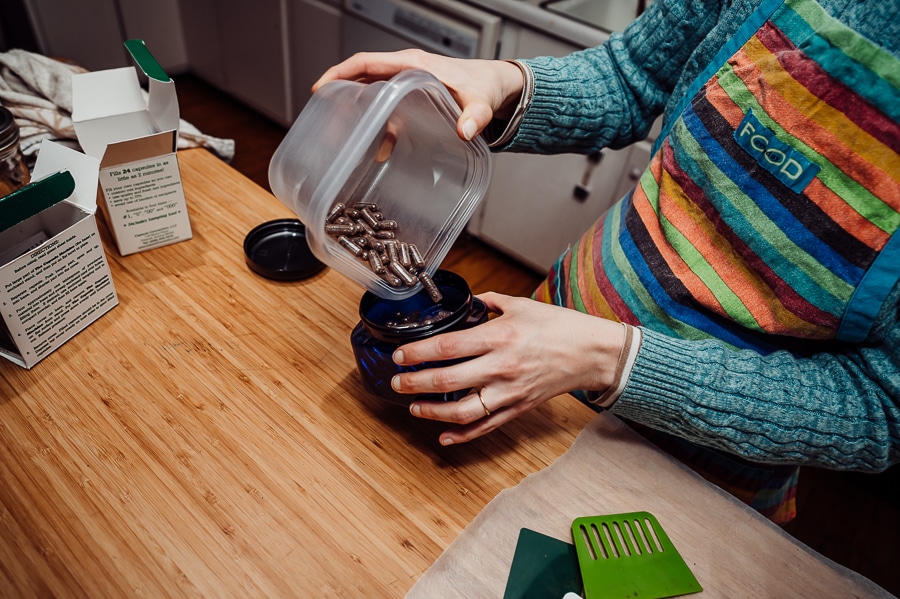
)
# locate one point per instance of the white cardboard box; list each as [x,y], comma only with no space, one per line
[134,138]
[54,276]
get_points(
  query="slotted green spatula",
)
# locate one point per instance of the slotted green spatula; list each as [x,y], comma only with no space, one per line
[629,555]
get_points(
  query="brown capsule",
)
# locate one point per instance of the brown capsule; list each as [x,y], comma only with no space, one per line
[371,206]
[352,213]
[401,272]
[369,218]
[431,287]
[350,246]
[336,211]
[392,279]
[392,249]
[376,245]
[416,256]
[378,215]
[365,227]
[385,235]
[387,225]
[341,229]
[375,263]
[405,260]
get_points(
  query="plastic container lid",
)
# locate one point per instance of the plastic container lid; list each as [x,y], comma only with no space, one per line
[278,250]
[391,143]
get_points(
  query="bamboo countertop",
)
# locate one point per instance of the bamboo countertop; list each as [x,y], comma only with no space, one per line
[209,436]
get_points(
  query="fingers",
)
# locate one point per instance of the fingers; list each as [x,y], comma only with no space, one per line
[474,118]
[464,411]
[472,412]
[437,380]
[448,346]
[480,87]
[474,417]
[496,302]
[371,66]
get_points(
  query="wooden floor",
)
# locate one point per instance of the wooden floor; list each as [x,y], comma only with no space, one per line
[851,518]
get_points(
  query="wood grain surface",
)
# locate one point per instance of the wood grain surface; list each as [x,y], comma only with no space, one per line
[210,437]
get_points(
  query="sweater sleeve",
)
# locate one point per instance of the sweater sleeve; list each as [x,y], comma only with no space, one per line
[611,95]
[837,410]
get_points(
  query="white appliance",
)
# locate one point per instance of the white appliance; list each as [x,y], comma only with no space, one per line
[445,27]
[535,206]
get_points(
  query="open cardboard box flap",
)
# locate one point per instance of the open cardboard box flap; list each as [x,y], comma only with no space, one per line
[54,157]
[110,106]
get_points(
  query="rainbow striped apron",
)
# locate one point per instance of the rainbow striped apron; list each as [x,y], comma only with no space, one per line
[766,217]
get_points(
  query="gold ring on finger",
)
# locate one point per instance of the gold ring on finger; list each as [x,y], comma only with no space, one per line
[483,405]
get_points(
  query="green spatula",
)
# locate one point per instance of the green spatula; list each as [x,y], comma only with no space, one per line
[629,555]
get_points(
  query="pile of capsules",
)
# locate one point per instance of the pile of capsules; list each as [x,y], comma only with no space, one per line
[416,319]
[364,232]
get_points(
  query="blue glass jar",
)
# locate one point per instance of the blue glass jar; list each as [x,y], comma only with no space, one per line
[387,324]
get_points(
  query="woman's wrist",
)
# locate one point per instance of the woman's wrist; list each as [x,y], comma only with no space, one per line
[513,81]
[622,370]
[615,371]
[517,85]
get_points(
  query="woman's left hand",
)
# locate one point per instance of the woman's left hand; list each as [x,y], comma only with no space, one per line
[528,354]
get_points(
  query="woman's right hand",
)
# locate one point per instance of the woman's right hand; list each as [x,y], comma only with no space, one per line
[484,89]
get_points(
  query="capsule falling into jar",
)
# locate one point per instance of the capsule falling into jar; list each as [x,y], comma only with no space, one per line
[430,287]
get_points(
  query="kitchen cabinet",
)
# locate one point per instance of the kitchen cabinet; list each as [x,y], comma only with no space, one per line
[203,40]
[537,205]
[314,41]
[267,53]
[240,48]
[92,33]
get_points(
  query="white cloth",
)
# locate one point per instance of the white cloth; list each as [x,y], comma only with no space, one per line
[731,549]
[38,92]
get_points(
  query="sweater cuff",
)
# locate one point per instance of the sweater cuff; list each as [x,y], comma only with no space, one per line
[659,377]
[496,137]
[541,105]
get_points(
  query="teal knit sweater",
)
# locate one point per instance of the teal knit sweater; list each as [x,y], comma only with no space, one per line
[837,409]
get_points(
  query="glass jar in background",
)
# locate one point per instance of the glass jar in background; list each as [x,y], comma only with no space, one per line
[387,324]
[14,172]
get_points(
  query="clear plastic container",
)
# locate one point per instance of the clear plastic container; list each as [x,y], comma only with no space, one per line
[390,143]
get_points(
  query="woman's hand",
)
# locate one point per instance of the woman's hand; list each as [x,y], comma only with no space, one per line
[484,89]
[527,355]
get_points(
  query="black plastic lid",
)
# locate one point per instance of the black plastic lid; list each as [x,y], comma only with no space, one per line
[278,250]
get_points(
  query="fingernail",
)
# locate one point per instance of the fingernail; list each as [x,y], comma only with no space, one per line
[398,356]
[469,129]
[415,409]
[395,382]
[446,441]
